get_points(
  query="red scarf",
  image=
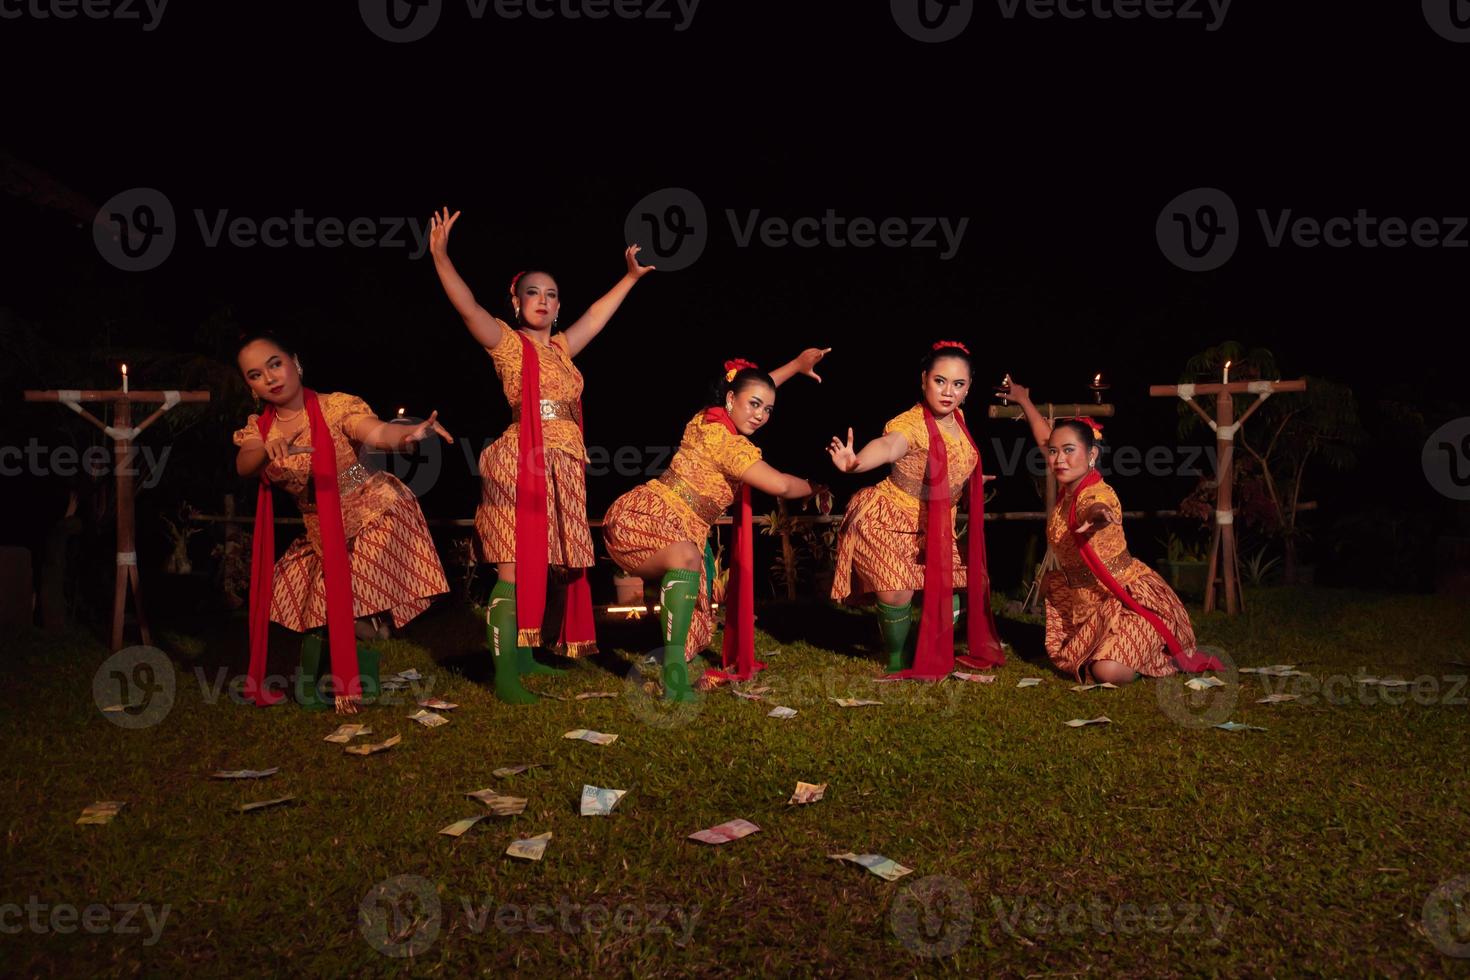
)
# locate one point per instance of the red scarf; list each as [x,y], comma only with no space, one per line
[578,628]
[335,566]
[934,657]
[1191,662]
[737,655]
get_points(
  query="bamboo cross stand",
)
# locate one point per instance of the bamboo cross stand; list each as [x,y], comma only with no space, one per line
[122,433]
[1223,552]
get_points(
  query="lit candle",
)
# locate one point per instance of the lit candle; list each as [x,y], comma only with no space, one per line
[125,379]
[400,413]
[1097,388]
[1227,372]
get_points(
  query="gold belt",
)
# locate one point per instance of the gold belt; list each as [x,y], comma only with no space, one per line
[915,488]
[704,508]
[552,409]
[1081,577]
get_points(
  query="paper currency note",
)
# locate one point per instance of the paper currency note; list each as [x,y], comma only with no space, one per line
[586,735]
[370,749]
[1093,687]
[1235,726]
[346,733]
[746,695]
[726,832]
[1028,682]
[437,704]
[500,806]
[1080,722]
[408,675]
[261,805]
[458,828]
[973,678]
[245,773]
[101,812]
[1278,698]
[781,712]
[807,793]
[599,802]
[853,702]
[590,695]
[428,719]
[885,868]
[531,848]
[1203,683]
[517,770]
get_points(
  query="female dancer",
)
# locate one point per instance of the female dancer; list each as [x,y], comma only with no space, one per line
[533,504]
[366,549]
[660,530]
[898,536]
[1108,615]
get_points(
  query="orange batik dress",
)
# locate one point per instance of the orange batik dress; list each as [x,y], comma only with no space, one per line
[394,567]
[682,504]
[881,541]
[1085,620]
[568,539]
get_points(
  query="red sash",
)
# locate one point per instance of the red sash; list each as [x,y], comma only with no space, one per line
[737,654]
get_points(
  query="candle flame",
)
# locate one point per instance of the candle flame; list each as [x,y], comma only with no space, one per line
[125,369]
[1227,365]
[1097,380]
[400,413]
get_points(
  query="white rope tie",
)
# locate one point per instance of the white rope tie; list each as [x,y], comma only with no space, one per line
[71,398]
[170,399]
[1186,392]
[127,558]
[1224,517]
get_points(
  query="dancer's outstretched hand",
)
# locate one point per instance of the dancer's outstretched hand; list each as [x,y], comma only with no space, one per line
[439,224]
[421,431]
[809,359]
[1015,391]
[1094,519]
[279,448]
[843,456]
[630,255]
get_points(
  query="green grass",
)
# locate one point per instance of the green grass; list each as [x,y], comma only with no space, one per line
[1320,838]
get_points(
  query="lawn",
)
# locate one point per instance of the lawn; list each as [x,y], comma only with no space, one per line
[1152,845]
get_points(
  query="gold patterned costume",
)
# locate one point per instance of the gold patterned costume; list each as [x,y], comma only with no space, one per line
[394,565]
[568,539]
[683,504]
[1085,621]
[880,545]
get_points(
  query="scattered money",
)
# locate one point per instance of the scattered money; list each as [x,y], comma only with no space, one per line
[517,770]
[885,868]
[1080,722]
[428,719]
[392,685]
[500,806]
[101,813]
[458,828]
[1384,681]
[245,773]
[746,696]
[599,802]
[976,678]
[407,675]
[347,733]
[781,712]
[531,848]
[596,738]
[370,749]
[1092,687]
[248,807]
[725,832]
[807,793]
[123,707]
[1028,682]
[853,702]
[437,704]
[1277,698]
[1274,670]
[1203,683]
[589,695]
[1235,726]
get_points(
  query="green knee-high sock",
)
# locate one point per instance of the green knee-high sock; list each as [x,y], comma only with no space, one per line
[309,673]
[895,623]
[677,595]
[368,660]
[500,636]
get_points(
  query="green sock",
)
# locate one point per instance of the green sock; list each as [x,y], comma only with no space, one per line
[500,636]
[309,673]
[677,596]
[895,623]
[526,658]
[368,659]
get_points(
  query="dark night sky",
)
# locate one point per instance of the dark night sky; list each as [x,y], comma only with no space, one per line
[1060,141]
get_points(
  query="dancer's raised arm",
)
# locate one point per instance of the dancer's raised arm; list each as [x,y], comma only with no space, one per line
[483,325]
[590,324]
[803,363]
[880,452]
[1040,427]
[767,479]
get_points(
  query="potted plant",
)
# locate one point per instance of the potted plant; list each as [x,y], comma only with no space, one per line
[629,588]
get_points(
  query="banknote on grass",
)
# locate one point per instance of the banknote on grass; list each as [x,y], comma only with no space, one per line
[101,812]
[262,804]
[244,773]
[1081,722]
[730,830]
[437,704]
[1093,687]
[885,868]
[1277,698]
[505,771]
[458,828]
[529,848]
[1028,682]
[500,806]
[586,735]
[371,749]
[346,733]
[853,702]
[428,718]
[781,711]
[807,793]
[1235,726]
[1203,683]
[599,802]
